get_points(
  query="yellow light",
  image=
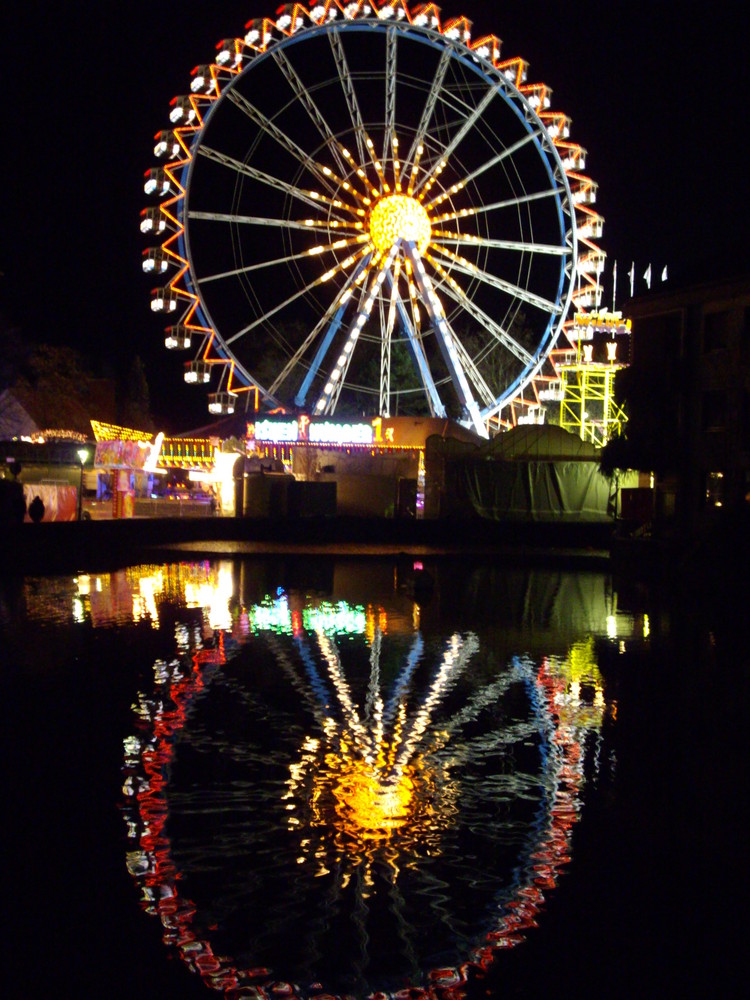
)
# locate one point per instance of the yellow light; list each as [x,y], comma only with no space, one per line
[399,217]
[369,804]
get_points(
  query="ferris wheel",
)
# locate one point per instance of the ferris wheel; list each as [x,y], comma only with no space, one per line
[364,210]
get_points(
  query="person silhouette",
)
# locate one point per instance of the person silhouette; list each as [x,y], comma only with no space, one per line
[36,510]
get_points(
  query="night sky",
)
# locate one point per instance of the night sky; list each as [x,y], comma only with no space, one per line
[656,94]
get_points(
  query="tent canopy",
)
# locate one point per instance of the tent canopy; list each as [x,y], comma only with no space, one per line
[536,472]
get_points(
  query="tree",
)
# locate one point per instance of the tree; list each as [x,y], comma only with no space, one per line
[649,440]
[56,388]
[407,395]
[134,409]
[15,352]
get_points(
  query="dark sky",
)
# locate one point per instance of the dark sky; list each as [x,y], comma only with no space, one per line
[656,93]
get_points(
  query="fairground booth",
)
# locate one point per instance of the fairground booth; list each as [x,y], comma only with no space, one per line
[146,475]
[116,472]
[369,468]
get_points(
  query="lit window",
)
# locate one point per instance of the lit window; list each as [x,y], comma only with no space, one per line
[715,489]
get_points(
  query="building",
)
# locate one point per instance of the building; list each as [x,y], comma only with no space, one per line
[688,394]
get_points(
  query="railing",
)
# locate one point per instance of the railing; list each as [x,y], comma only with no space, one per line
[162,507]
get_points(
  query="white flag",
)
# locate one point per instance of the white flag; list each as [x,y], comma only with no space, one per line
[631,275]
[664,273]
[647,276]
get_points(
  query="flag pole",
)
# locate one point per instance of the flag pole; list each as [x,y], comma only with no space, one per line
[614,285]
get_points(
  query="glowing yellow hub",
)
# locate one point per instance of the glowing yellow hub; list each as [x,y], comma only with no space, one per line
[399,216]
[368,804]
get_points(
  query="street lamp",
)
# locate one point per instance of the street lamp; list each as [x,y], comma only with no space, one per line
[83,455]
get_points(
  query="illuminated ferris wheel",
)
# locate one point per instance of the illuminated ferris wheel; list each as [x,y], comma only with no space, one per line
[364,210]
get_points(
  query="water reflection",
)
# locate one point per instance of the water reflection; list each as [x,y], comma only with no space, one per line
[331,786]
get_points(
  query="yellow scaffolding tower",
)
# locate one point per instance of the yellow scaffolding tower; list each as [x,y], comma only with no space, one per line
[587,406]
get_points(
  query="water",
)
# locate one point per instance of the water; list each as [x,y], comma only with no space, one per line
[280,777]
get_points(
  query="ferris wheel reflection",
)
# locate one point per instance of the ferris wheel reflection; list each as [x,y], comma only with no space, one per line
[404,779]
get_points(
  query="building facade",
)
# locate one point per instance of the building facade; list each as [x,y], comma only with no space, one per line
[691,364]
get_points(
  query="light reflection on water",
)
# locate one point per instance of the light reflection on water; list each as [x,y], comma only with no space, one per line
[356,778]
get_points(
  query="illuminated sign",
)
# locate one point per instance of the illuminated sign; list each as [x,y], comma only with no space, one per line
[276,616]
[112,432]
[607,349]
[603,319]
[314,432]
[180,453]
[122,454]
[328,433]
[276,431]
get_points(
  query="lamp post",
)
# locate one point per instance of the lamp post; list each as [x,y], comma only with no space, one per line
[83,455]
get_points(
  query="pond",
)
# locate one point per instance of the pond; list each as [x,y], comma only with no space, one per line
[296,777]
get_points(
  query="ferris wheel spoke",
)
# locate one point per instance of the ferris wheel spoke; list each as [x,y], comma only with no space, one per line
[374,701]
[457,139]
[331,320]
[328,398]
[402,683]
[287,302]
[268,126]
[377,275]
[531,298]
[454,291]
[473,372]
[414,341]
[387,316]
[390,90]
[347,85]
[301,255]
[385,374]
[487,165]
[454,238]
[446,340]
[312,198]
[317,693]
[256,220]
[507,203]
[303,96]
[412,160]
[484,698]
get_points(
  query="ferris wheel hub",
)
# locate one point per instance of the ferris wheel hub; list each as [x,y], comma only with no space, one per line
[399,216]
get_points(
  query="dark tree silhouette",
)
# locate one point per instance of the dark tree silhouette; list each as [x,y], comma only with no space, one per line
[134,408]
[649,439]
[56,388]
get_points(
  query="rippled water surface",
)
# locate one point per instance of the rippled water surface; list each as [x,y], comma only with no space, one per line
[344,777]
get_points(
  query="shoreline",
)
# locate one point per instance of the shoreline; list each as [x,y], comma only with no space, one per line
[78,545]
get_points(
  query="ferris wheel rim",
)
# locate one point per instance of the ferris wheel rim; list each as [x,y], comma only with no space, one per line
[535,132]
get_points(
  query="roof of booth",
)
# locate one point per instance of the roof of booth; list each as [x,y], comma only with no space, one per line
[541,442]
